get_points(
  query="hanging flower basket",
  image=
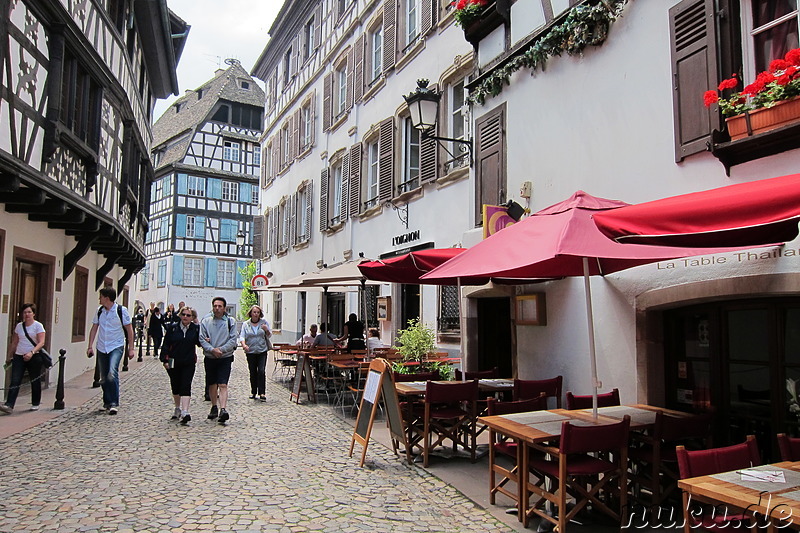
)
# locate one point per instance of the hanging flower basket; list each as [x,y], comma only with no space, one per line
[781,114]
[489,19]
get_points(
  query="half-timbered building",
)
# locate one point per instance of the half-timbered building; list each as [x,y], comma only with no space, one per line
[344,174]
[207,157]
[78,85]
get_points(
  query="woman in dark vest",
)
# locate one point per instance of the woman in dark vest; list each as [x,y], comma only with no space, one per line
[180,358]
[353,334]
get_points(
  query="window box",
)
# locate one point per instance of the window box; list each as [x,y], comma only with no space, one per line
[765,119]
[494,16]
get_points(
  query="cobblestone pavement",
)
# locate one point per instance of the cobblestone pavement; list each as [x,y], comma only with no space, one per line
[276,466]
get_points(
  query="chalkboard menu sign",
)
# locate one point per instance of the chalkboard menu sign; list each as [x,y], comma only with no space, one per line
[379,386]
[302,375]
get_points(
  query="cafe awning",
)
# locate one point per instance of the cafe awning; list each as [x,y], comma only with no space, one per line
[407,268]
[746,214]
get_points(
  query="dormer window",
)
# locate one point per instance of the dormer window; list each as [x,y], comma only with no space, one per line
[245,85]
[199,93]
[178,107]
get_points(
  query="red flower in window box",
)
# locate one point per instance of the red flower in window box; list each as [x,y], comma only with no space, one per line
[468,11]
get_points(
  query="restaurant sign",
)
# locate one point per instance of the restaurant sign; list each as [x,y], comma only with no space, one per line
[405,238]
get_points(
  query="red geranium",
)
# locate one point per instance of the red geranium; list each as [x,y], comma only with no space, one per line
[730,83]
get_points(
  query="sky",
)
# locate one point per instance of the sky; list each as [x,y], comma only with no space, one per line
[220,29]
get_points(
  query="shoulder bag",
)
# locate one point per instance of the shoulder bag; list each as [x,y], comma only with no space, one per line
[47,361]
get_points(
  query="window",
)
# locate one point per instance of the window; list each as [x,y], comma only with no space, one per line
[372,175]
[448,309]
[277,310]
[287,66]
[282,222]
[286,145]
[80,101]
[772,29]
[411,147]
[338,193]
[256,155]
[376,52]
[457,124]
[226,274]
[412,20]
[191,226]
[368,300]
[246,116]
[79,303]
[244,85]
[230,151]
[196,186]
[230,191]
[302,218]
[341,90]
[193,271]
[162,273]
[158,190]
[254,191]
[306,126]
[144,278]
[308,39]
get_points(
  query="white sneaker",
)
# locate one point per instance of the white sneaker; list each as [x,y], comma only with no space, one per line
[6,409]
[112,410]
[34,407]
[176,414]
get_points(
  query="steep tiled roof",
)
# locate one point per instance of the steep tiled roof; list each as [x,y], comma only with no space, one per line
[193,112]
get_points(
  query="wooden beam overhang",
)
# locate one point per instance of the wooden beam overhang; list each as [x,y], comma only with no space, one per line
[105,269]
[73,256]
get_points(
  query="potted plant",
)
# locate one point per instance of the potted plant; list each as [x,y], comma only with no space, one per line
[466,12]
[415,343]
[768,103]
[476,17]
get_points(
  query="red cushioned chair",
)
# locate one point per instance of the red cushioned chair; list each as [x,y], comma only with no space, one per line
[654,464]
[577,472]
[525,389]
[714,461]
[505,447]
[450,414]
[789,446]
[607,399]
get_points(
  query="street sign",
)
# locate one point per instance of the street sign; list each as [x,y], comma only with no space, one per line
[259,281]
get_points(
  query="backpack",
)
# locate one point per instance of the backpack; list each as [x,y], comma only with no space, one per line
[119,312]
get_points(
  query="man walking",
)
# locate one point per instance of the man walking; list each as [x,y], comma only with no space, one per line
[218,338]
[112,327]
[155,329]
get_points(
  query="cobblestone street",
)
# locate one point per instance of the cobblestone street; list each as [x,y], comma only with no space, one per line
[276,466]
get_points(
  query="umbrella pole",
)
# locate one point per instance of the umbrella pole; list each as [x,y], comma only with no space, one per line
[463,331]
[590,323]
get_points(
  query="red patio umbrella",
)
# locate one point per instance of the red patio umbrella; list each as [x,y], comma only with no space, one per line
[558,241]
[407,268]
[746,214]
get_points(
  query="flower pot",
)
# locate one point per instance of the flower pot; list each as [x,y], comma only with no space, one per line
[489,19]
[765,119]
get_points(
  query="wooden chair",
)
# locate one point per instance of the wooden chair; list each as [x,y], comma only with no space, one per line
[789,446]
[450,414]
[607,399]
[525,389]
[493,373]
[332,380]
[412,411]
[504,447]
[577,473]
[714,461]
[654,463]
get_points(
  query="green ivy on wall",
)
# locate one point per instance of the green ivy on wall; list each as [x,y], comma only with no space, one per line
[585,25]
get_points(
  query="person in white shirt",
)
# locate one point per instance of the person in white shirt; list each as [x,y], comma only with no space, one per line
[374,340]
[308,339]
[114,325]
[28,339]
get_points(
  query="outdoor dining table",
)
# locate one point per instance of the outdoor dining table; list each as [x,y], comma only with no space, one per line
[417,388]
[769,494]
[533,429]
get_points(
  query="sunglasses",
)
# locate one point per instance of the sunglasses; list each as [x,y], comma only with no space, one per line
[186,314]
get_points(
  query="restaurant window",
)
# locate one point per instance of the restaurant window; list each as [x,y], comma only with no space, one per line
[411,159]
[277,310]
[79,304]
[771,27]
[448,309]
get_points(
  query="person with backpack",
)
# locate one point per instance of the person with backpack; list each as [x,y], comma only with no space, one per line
[218,337]
[112,326]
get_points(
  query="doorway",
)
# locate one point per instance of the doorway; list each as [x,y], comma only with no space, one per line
[494,335]
[335,313]
[740,359]
[409,304]
[301,313]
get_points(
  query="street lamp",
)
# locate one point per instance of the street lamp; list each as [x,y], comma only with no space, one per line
[423,106]
[239,242]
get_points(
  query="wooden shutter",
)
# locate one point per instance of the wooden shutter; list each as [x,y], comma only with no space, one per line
[389,34]
[386,160]
[358,67]
[327,101]
[291,205]
[345,186]
[264,159]
[294,60]
[318,26]
[490,160]
[258,236]
[276,226]
[427,160]
[694,70]
[350,79]
[355,179]
[276,154]
[309,208]
[323,199]
[428,8]
[296,119]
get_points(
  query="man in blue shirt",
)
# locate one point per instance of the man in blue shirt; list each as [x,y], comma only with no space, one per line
[113,323]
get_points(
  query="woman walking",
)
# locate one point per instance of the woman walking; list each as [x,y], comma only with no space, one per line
[254,338]
[180,358]
[27,340]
